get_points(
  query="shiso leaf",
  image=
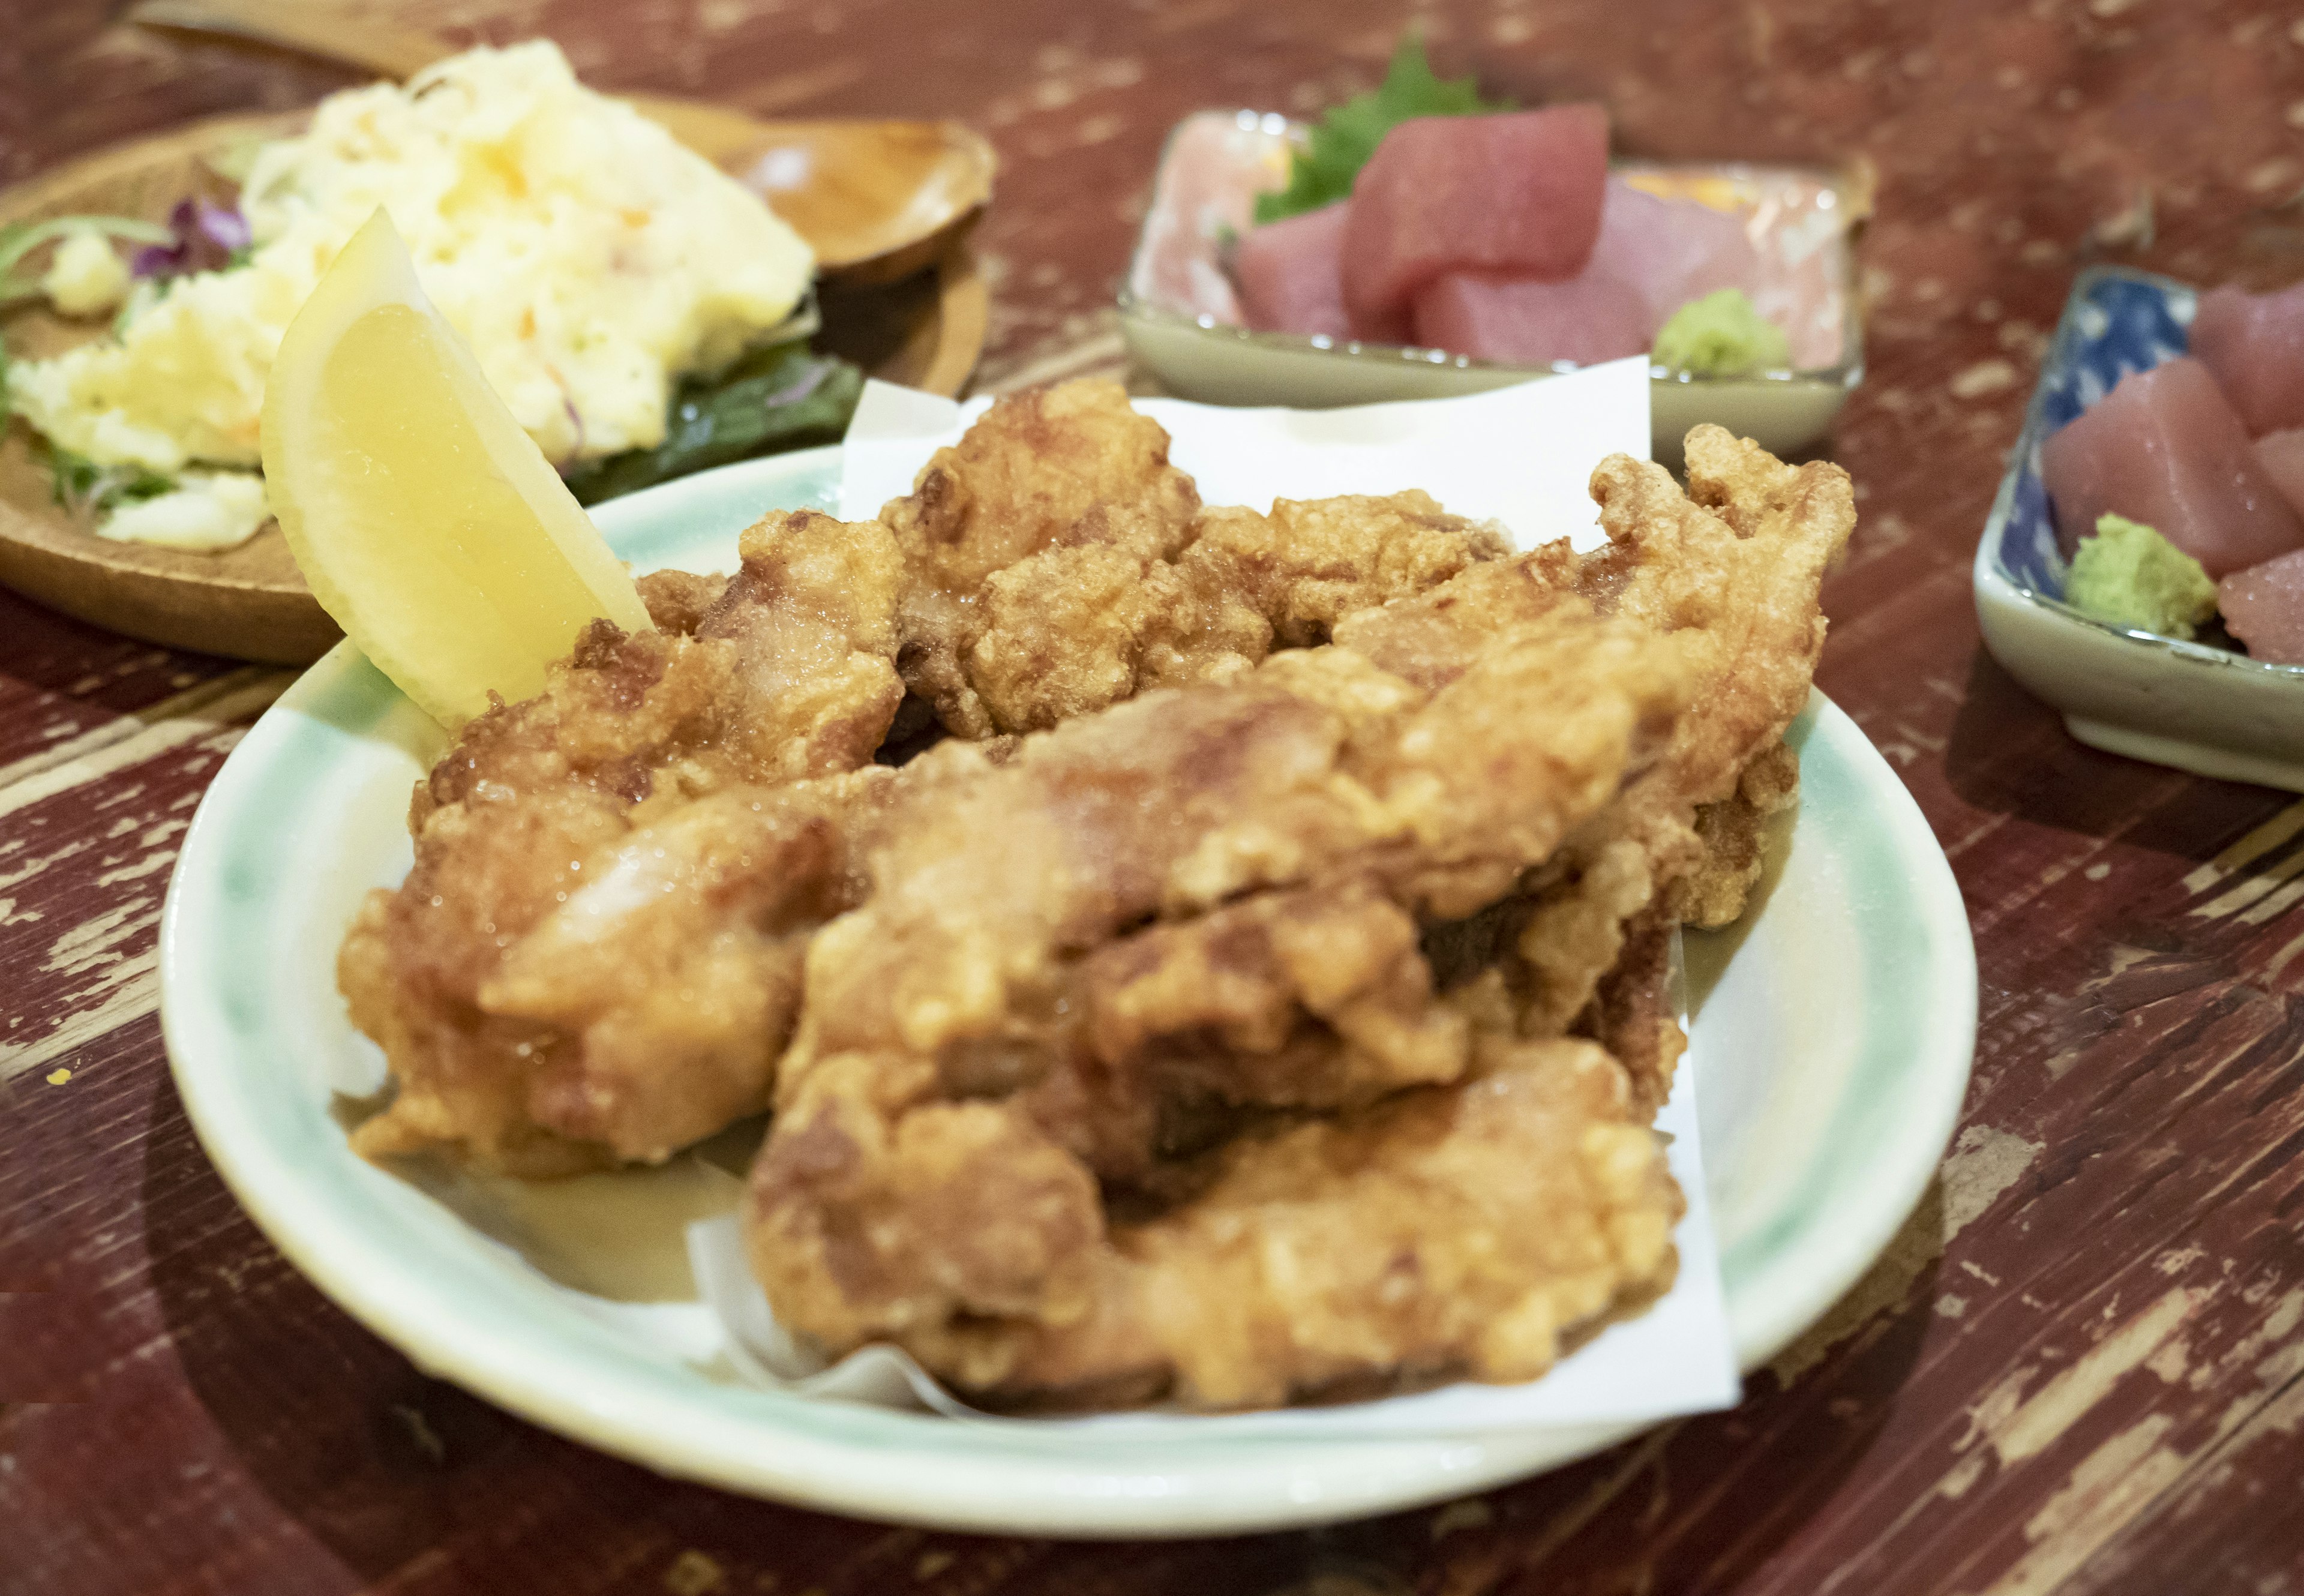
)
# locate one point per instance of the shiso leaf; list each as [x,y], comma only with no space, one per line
[1322,172]
[780,397]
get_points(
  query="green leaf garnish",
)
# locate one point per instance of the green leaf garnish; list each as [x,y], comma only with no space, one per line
[1341,141]
[780,397]
[78,483]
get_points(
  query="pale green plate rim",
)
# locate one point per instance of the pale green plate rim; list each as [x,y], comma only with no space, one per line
[285,1160]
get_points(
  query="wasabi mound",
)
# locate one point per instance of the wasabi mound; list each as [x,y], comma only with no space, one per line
[2127,573]
[1722,334]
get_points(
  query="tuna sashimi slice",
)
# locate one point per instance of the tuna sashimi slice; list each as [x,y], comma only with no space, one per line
[1396,326]
[1672,250]
[2163,448]
[1517,194]
[1652,257]
[2264,607]
[2282,456]
[2253,345]
[1290,274]
[1593,316]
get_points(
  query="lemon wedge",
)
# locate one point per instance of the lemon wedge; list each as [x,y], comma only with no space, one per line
[424,519]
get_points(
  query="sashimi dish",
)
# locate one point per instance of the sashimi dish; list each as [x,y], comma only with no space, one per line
[2179,497]
[1421,215]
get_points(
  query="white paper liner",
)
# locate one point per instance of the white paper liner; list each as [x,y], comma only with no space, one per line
[1522,456]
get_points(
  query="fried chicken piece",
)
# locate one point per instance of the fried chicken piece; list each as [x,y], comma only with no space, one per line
[1067,631]
[1735,835]
[1184,798]
[1314,998]
[662,1021]
[502,826]
[673,960]
[811,613]
[992,1016]
[1733,569]
[411,964]
[1058,564]
[1072,465]
[1738,561]
[682,953]
[677,600]
[1467,1230]
[1463,1231]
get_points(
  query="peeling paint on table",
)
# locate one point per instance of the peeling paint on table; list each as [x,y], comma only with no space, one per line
[2080,1367]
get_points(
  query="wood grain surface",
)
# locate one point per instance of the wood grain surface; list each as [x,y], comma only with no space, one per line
[2079,1370]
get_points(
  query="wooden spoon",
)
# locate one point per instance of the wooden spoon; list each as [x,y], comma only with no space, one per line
[877,200]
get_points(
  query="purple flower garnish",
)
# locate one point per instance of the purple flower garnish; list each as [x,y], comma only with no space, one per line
[223,226]
[207,237]
[793,393]
[155,260]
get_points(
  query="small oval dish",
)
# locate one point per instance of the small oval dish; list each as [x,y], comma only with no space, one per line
[2190,704]
[1181,319]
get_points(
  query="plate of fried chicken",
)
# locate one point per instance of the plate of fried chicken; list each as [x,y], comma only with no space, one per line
[1115,952]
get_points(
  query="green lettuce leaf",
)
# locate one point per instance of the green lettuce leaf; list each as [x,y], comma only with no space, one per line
[1341,141]
[778,398]
[78,483]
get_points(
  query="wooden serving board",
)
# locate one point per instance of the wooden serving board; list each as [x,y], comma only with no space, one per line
[924,331]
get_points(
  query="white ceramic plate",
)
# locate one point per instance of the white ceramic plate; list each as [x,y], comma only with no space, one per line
[1832,1039]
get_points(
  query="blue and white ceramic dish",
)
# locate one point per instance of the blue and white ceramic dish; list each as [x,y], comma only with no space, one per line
[2195,707]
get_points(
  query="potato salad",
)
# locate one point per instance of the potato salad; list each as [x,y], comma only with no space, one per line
[590,260]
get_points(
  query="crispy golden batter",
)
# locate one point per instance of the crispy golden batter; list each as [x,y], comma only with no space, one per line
[1732,569]
[678,600]
[1072,466]
[1264,995]
[987,1043]
[811,614]
[1352,861]
[1059,563]
[1069,631]
[1734,833]
[1471,1230]
[537,1011]
[1739,561]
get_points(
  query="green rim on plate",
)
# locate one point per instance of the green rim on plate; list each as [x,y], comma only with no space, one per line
[256,905]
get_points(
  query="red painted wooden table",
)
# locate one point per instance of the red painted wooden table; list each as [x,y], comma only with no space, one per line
[2081,1368]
